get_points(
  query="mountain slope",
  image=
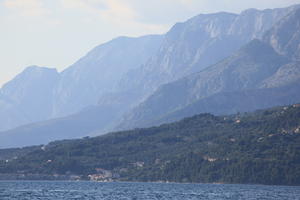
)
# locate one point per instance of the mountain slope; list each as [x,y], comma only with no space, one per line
[246,69]
[201,41]
[99,71]
[90,121]
[285,36]
[30,95]
[257,148]
[234,102]
[39,94]
[110,76]
[74,126]
[10,116]
[256,65]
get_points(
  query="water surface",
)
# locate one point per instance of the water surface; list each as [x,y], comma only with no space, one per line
[33,190]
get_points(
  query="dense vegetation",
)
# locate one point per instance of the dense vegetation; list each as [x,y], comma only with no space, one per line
[261,147]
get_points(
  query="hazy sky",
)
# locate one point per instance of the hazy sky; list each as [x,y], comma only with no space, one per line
[55,33]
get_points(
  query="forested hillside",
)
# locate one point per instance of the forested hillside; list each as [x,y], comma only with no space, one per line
[260,147]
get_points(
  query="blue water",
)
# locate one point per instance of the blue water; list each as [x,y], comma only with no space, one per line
[33,190]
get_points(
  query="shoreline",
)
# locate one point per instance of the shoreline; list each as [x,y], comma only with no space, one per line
[149,182]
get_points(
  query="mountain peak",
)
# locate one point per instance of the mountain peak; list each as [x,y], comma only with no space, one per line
[35,70]
[250,11]
[32,72]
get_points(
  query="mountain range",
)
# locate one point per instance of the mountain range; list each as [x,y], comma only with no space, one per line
[271,62]
[210,63]
[39,93]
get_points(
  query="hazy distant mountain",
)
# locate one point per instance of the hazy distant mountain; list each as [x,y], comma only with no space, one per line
[99,71]
[30,96]
[234,102]
[256,65]
[10,116]
[74,126]
[92,120]
[204,40]
[193,45]
[117,75]
[246,69]
[39,94]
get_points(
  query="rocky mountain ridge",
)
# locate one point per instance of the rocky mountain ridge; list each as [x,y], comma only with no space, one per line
[256,65]
[140,66]
[41,93]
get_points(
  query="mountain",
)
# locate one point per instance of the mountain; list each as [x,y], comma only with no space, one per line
[74,126]
[255,148]
[87,122]
[234,102]
[199,42]
[256,65]
[99,71]
[39,94]
[247,69]
[85,89]
[30,96]
[10,115]
[285,36]
[117,76]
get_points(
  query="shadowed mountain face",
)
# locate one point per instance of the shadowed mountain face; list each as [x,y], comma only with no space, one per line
[233,102]
[73,126]
[89,121]
[256,65]
[116,76]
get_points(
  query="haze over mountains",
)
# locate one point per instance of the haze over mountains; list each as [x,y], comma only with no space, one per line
[40,93]
[210,63]
[100,71]
[30,95]
[203,40]
[259,64]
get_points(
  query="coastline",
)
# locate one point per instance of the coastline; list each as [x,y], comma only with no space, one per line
[62,178]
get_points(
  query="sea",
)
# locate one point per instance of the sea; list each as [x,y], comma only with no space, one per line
[81,190]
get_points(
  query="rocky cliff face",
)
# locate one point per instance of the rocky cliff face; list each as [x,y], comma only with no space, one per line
[99,71]
[285,36]
[204,40]
[259,64]
[246,69]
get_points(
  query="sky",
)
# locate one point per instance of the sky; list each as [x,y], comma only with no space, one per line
[56,33]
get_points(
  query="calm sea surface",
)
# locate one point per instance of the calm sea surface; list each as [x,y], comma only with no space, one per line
[32,190]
